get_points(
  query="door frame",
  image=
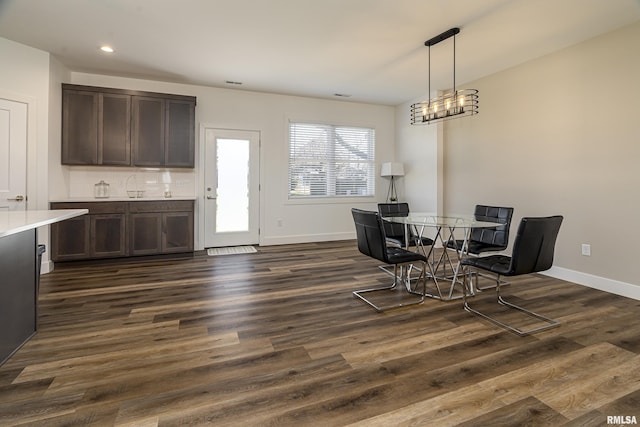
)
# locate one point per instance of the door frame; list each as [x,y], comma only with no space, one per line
[31,194]
[201,164]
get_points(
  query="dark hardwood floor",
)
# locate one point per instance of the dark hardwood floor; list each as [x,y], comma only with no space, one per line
[276,338]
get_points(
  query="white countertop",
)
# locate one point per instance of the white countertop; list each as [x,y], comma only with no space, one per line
[120,199]
[12,222]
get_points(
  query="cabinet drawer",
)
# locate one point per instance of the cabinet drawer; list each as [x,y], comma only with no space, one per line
[161,206]
[94,207]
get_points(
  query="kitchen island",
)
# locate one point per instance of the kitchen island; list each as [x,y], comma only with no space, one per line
[19,270]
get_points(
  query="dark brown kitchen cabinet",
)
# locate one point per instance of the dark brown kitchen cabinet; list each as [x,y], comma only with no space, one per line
[70,239]
[108,236]
[163,132]
[161,227]
[179,134]
[177,235]
[148,131]
[99,234]
[79,127]
[146,233]
[120,229]
[114,129]
[96,127]
[118,127]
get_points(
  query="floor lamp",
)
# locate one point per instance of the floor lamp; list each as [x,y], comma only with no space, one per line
[392,170]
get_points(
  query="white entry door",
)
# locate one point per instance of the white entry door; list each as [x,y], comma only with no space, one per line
[13,155]
[232,187]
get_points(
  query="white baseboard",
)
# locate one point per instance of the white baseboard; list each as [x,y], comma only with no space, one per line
[306,238]
[602,283]
[46,266]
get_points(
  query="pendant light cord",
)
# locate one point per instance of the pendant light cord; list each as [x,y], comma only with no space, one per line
[429,85]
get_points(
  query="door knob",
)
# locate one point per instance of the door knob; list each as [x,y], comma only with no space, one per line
[17,199]
[211,198]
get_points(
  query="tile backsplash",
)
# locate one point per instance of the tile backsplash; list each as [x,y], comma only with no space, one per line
[154,182]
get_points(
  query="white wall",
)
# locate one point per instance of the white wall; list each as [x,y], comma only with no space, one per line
[58,73]
[420,150]
[24,77]
[268,114]
[560,135]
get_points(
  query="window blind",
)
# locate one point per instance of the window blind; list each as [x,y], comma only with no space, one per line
[331,161]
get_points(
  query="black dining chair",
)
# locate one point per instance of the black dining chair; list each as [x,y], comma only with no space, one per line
[482,240]
[395,232]
[371,240]
[533,251]
[493,239]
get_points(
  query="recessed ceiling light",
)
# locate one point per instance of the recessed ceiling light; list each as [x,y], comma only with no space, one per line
[107,49]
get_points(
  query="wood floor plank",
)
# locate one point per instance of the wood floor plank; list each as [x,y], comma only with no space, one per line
[603,387]
[443,410]
[556,373]
[526,412]
[277,338]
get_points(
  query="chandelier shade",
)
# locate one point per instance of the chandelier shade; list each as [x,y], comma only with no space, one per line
[452,104]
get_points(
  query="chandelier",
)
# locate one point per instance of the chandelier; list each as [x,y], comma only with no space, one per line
[449,105]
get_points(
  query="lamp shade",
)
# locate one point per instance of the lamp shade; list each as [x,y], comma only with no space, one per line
[392,169]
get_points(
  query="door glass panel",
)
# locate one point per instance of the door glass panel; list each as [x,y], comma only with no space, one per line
[232,211]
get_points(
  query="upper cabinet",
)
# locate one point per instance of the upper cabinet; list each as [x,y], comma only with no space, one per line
[79,127]
[114,129]
[103,126]
[160,129]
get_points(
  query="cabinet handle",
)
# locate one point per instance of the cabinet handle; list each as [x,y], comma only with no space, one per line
[17,199]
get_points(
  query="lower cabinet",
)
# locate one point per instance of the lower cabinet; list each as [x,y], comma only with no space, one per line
[108,236]
[99,234]
[161,227]
[70,239]
[146,233]
[120,229]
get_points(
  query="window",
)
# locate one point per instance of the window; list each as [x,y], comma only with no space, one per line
[330,161]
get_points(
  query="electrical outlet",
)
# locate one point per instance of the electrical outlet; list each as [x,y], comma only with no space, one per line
[586,249]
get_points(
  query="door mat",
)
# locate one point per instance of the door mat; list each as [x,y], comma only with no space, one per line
[231,250]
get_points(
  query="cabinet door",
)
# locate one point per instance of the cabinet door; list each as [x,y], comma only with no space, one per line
[145,233]
[148,131]
[177,233]
[70,239]
[180,139]
[108,236]
[79,127]
[114,129]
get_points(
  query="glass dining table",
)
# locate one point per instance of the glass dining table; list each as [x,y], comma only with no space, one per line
[443,229]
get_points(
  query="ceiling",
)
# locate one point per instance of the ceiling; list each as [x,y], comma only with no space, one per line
[372,50]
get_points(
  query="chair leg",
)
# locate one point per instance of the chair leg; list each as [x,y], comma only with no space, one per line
[387,268]
[551,323]
[422,277]
[484,288]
